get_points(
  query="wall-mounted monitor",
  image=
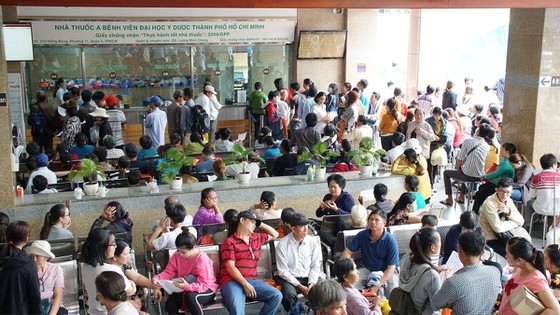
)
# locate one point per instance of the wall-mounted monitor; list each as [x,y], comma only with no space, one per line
[18,42]
[322,44]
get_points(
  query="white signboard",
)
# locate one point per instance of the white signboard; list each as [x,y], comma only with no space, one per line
[15,104]
[178,32]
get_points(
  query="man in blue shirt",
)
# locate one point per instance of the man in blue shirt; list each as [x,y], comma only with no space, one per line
[380,253]
[156,121]
[206,165]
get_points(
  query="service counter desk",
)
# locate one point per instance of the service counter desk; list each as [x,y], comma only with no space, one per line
[146,208]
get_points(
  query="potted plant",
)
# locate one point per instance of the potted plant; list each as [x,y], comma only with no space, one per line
[89,172]
[321,155]
[170,166]
[241,155]
[367,158]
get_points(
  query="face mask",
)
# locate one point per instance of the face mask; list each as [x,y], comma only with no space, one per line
[414,207]
[330,90]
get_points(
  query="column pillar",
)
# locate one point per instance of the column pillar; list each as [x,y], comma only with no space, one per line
[531,115]
[413,63]
[7,200]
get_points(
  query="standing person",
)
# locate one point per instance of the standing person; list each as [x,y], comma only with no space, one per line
[19,281]
[426,101]
[306,105]
[380,253]
[362,85]
[389,124]
[439,126]
[320,109]
[417,274]
[298,260]
[40,119]
[56,224]
[187,116]
[420,129]
[284,111]
[60,89]
[189,262]
[238,274]
[257,101]
[351,113]
[474,288]
[72,126]
[117,120]
[174,115]
[449,97]
[211,105]
[50,276]
[155,121]
[101,127]
[272,118]
[332,98]
[529,271]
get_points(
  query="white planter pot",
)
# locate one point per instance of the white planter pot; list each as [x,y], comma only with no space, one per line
[90,189]
[244,178]
[176,184]
[366,170]
[320,173]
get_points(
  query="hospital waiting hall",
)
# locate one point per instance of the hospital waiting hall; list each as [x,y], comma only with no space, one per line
[264,157]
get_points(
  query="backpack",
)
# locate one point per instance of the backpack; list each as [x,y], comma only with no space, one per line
[401,302]
[201,120]
[38,123]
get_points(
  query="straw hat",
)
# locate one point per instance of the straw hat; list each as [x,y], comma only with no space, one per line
[99,112]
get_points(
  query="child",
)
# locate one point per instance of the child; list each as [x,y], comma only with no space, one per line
[266,208]
[40,185]
[272,150]
[147,150]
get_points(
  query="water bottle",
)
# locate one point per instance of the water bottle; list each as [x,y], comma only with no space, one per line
[310,174]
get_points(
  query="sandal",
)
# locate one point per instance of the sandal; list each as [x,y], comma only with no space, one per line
[460,201]
[444,202]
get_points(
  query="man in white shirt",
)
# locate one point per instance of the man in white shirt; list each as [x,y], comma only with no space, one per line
[42,161]
[362,130]
[211,105]
[169,227]
[156,121]
[298,258]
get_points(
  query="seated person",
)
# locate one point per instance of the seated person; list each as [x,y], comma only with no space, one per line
[552,265]
[272,150]
[499,214]
[411,183]
[208,212]
[112,152]
[169,227]
[358,221]
[411,162]
[82,149]
[429,221]
[223,142]
[175,141]
[219,169]
[185,174]
[196,145]
[298,259]
[40,185]
[468,221]
[56,224]
[397,150]
[101,154]
[542,187]
[42,162]
[308,136]
[263,133]
[345,270]
[133,178]
[147,150]
[337,201]
[302,167]
[380,193]
[380,252]
[286,160]
[266,208]
[250,165]
[284,228]
[230,217]
[344,164]
[168,204]
[327,298]
[402,212]
[123,163]
[207,160]
[119,222]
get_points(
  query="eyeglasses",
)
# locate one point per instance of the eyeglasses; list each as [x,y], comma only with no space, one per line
[67,215]
[114,244]
[506,192]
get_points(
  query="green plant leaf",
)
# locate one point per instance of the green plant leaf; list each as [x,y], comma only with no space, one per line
[88,170]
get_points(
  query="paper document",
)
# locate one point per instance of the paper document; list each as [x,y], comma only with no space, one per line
[453,264]
[367,195]
[169,287]
[241,137]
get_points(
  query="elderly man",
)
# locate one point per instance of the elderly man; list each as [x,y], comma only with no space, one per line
[298,259]
[380,253]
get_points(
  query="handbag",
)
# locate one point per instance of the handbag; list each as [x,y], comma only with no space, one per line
[401,302]
[516,232]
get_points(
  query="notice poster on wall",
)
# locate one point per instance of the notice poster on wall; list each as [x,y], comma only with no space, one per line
[15,104]
[177,32]
[322,44]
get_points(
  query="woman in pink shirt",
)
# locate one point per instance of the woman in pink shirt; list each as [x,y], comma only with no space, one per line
[195,273]
[208,212]
[530,272]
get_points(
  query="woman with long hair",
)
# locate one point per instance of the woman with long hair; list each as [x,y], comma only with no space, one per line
[195,273]
[96,255]
[529,271]
[119,222]
[208,212]
[402,212]
[219,168]
[223,142]
[347,275]
[19,280]
[524,171]
[4,221]
[320,109]
[238,274]
[552,265]
[111,291]
[332,98]
[56,224]
[418,269]
[412,163]
[389,124]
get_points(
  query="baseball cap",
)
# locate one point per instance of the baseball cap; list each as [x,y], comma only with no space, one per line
[131,150]
[111,100]
[154,99]
[248,215]
[210,88]
[299,219]
[42,160]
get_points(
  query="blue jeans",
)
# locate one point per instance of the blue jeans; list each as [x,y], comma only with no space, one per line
[234,297]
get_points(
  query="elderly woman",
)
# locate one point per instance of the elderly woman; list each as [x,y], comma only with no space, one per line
[347,274]
[119,222]
[112,152]
[422,131]
[358,220]
[337,201]
[51,277]
[238,274]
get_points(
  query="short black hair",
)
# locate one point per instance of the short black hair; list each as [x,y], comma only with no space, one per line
[472,242]
[429,220]
[81,139]
[285,146]
[437,111]
[468,220]
[378,212]
[338,179]
[287,214]
[123,162]
[398,138]
[548,161]
[312,90]
[188,92]
[207,150]
[380,191]
[362,119]
[505,182]
[272,95]
[364,83]
[134,177]
[97,96]
[258,85]
[295,86]
[268,197]
[40,183]
[101,153]
[146,142]
[176,213]
[86,96]
[311,119]
[484,130]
